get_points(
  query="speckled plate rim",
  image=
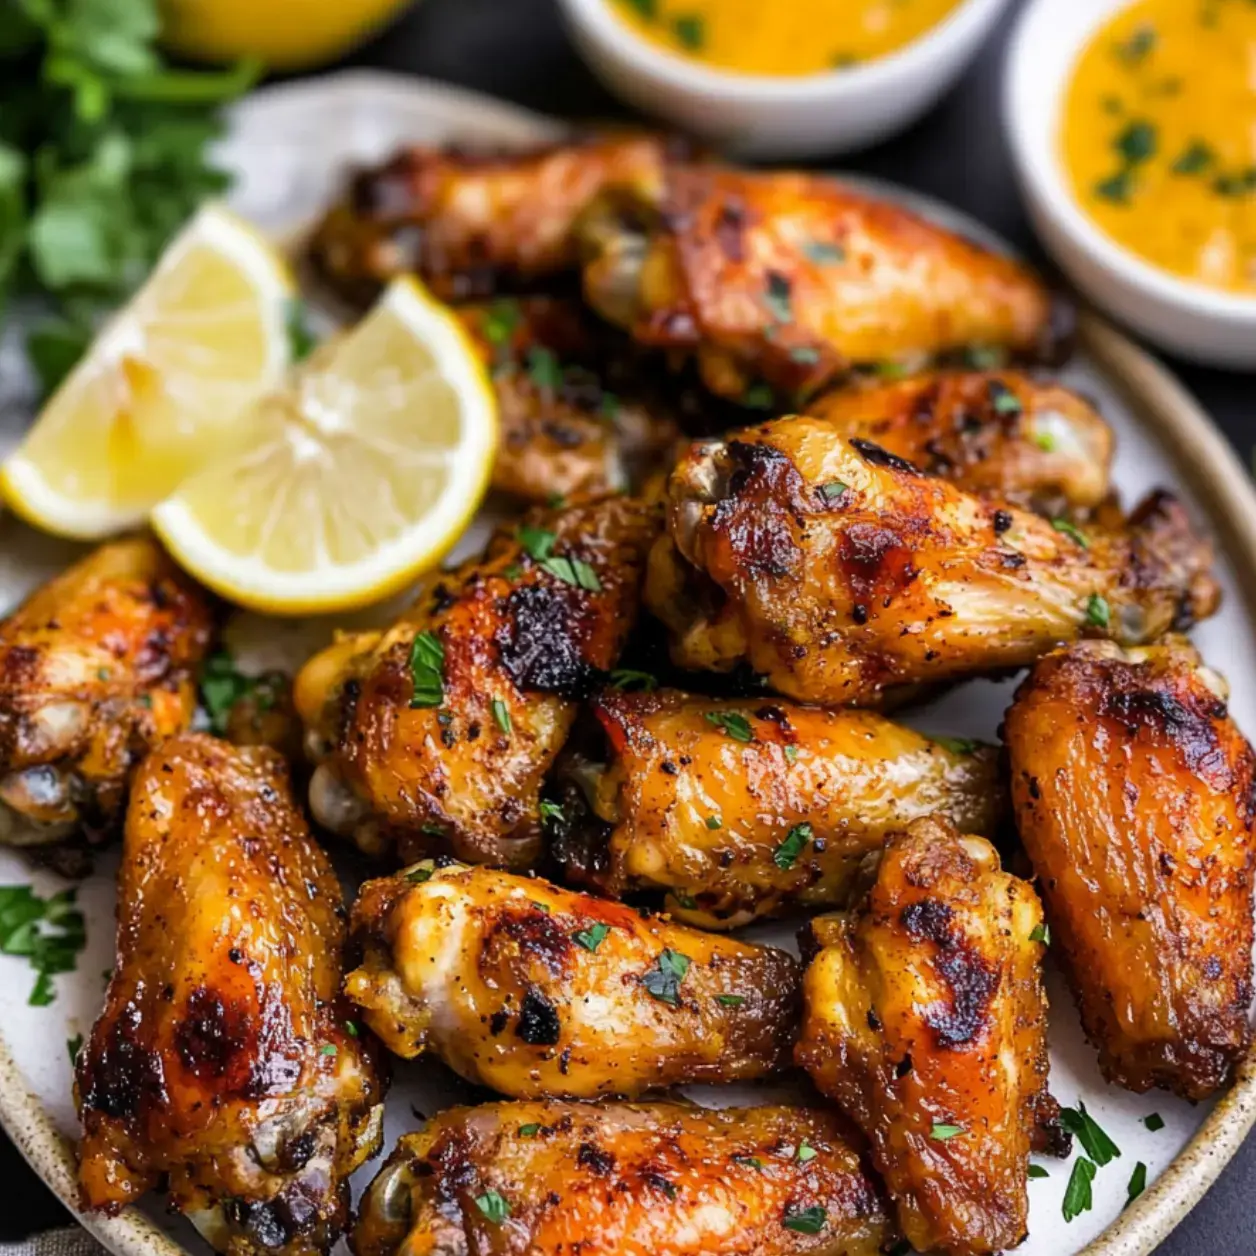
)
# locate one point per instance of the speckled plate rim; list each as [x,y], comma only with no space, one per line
[1224,491]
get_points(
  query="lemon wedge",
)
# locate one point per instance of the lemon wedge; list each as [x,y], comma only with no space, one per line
[168,382]
[363,473]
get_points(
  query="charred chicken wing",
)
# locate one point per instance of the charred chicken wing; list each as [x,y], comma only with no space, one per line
[658,1179]
[223,1063]
[742,810]
[925,1020]
[437,733]
[538,991]
[790,279]
[1134,798]
[95,667]
[840,572]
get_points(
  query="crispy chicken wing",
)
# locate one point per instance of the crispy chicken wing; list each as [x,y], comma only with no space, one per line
[658,1179]
[437,733]
[539,991]
[470,224]
[790,279]
[1003,434]
[839,572]
[925,1020]
[1134,798]
[223,1063]
[742,810]
[95,667]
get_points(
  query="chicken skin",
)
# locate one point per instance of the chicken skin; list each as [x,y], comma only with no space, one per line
[573,414]
[1001,434]
[436,734]
[472,224]
[619,1179]
[788,280]
[96,667]
[538,991]
[842,573]
[925,1021]
[225,1063]
[741,811]
[1134,798]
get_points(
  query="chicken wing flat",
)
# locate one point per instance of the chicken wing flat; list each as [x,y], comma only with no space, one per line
[539,991]
[925,1021]
[1134,798]
[790,279]
[743,810]
[841,573]
[95,667]
[471,224]
[437,733]
[1002,434]
[225,1062]
[573,416]
[618,1179]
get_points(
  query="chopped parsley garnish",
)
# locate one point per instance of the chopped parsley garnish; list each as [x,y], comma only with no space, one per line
[1045,441]
[1116,188]
[501,320]
[690,31]
[301,338]
[1077,1195]
[421,872]
[531,1130]
[351,1029]
[786,854]
[806,1220]
[551,811]
[328,1049]
[831,490]
[1002,398]
[103,673]
[1041,933]
[943,1131]
[537,542]
[714,822]
[1154,1122]
[777,297]
[1037,1171]
[431,829]
[1072,531]
[501,716]
[49,933]
[732,724]
[222,686]
[544,370]
[984,357]
[649,9]
[758,397]
[73,1046]
[730,1000]
[626,678]
[1195,158]
[593,937]
[1098,611]
[806,1152]
[427,671]
[1138,1183]
[663,980]
[791,754]
[752,1162]
[956,745]
[493,1206]
[1137,46]
[1136,143]
[573,571]
[823,253]
[1099,1147]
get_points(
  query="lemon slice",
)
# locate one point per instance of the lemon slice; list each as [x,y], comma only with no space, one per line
[364,471]
[167,383]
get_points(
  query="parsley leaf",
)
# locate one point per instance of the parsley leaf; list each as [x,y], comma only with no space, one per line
[49,933]
[732,724]
[1099,1147]
[823,253]
[1041,933]
[690,31]
[714,822]
[777,297]
[1077,1195]
[730,1000]
[957,745]
[593,937]
[544,370]
[573,571]
[663,980]
[832,490]
[1097,611]
[421,872]
[530,1130]
[501,320]
[1195,158]
[1137,1185]
[501,716]
[805,1220]
[537,542]
[73,1046]
[786,854]
[943,1131]
[493,1206]
[1037,1171]
[1072,531]
[1154,1122]
[758,397]
[626,678]
[427,671]
[551,811]
[1002,398]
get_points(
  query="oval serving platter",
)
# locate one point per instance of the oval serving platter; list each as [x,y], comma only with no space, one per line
[290,146]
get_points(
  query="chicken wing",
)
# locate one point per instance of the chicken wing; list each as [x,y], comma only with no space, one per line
[743,810]
[470,224]
[1134,798]
[659,1179]
[1002,434]
[789,279]
[95,667]
[224,1062]
[841,573]
[539,991]
[925,1021]
[437,733]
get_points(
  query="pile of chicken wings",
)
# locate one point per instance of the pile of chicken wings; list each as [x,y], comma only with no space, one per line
[785,468]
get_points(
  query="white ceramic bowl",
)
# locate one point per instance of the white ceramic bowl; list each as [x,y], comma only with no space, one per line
[778,116]
[1182,317]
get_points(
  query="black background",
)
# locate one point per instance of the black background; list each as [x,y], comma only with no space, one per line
[516,49]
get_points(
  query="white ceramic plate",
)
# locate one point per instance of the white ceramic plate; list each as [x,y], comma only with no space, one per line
[290,146]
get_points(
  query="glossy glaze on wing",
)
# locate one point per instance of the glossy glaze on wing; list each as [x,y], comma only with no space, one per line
[224,1063]
[539,991]
[1134,798]
[925,1021]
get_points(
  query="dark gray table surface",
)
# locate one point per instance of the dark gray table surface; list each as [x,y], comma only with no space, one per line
[516,49]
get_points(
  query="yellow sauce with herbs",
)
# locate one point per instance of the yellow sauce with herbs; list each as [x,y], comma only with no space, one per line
[782,37]
[1158,136]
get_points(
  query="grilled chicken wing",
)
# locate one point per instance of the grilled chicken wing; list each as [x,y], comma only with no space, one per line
[659,1179]
[742,810]
[470,224]
[222,1062]
[925,1021]
[538,991]
[998,433]
[95,667]
[841,572]
[791,279]
[1134,798]
[573,414]
[438,732]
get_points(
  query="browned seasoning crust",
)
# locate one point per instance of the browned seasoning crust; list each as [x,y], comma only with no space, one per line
[840,572]
[223,1062]
[539,991]
[657,1179]
[96,666]
[925,1020]
[1133,791]
[521,646]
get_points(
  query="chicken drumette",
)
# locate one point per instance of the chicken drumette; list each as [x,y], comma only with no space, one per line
[225,1063]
